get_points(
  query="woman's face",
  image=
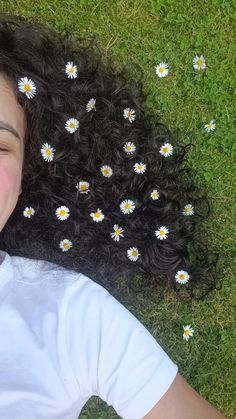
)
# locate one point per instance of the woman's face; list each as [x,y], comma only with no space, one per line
[12,132]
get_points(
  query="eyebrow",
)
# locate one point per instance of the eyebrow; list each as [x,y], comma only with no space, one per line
[8,127]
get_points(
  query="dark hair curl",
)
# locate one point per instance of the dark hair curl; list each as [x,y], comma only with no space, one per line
[40,52]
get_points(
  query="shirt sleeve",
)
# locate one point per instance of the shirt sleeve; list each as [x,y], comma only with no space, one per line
[112,354]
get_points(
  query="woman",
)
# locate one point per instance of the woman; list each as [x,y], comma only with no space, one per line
[89,186]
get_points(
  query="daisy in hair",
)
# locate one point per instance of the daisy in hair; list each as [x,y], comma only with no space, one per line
[211,126]
[139,167]
[71,70]
[27,86]
[166,150]
[83,187]
[65,245]
[133,253]
[97,216]
[129,147]
[106,171]
[62,212]
[182,277]
[117,232]
[188,331]
[199,63]
[162,233]
[28,212]
[91,105]
[154,194]
[188,210]
[47,152]
[162,69]
[127,206]
[72,125]
[129,114]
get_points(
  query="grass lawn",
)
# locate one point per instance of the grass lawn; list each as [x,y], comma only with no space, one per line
[149,32]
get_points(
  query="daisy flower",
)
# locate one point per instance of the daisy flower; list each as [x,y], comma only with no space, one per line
[97,216]
[47,152]
[28,212]
[65,245]
[133,253]
[72,125]
[83,187]
[166,150]
[199,63]
[211,126]
[161,69]
[139,167]
[154,194]
[127,206]
[162,232]
[106,171]
[91,105]
[129,114]
[182,277]
[62,213]
[71,70]
[129,147]
[188,210]
[188,331]
[117,233]
[27,86]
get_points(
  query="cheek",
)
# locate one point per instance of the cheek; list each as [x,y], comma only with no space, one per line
[10,178]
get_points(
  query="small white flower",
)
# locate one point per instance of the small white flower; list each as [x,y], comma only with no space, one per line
[97,216]
[162,232]
[211,126]
[166,150]
[62,213]
[65,245]
[127,206]
[91,105]
[199,63]
[129,114]
[188,331]
[27,86]
[139,167]
[106,171]
[117,232]
[72,125]
[161,69]
[28,212]
[133,253]
[188,210]
[129,147]
[83,187]
[47,152]
[71,70]
[182,277]
[154,194]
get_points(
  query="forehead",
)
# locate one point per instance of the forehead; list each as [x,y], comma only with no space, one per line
[10,110]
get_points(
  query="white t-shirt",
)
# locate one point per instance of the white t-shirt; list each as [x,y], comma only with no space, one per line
[64,338]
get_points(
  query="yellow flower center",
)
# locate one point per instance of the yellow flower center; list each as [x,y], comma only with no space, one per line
[129,147]
[127,206]
[199,62]
[134,253]
[27,87]
[155,195]
[29,212]
[118,232]
[97,214]
[62,212]
[162,232]
[106,171]
[72,69]
[66,245]
[83,187]
[166,149]
[48,152]
[161,69]
[182,277]
[72,125]
[140,167]
[186,332]
[129,114]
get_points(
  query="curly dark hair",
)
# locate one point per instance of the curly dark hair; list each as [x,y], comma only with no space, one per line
[40,52]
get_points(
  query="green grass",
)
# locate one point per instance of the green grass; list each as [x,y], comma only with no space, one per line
[149,32]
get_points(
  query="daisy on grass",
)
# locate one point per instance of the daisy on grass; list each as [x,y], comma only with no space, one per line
[154,194]
[182,277]
[72,125]
[129,147]
[166,150]
[211,126]
[83,187]
[106,171]
[91,105]
[62,213]
[127,206]
[188,210]
[97,216]
[139,167]
[47,152]
[71,70]
[129,114]
[117,233]
[27,86]
[133,253]
[188,331]
[162,232]
[65,245]
[28,212]
[161,69]
[199,63]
